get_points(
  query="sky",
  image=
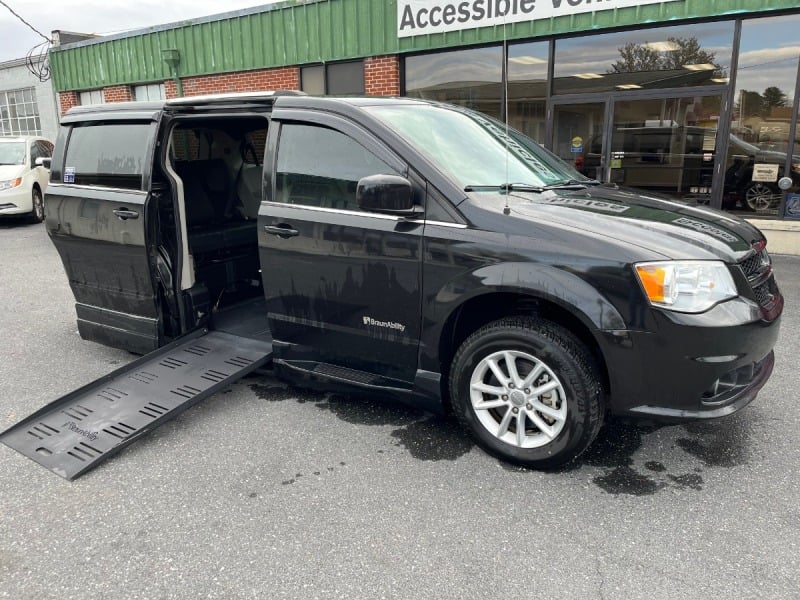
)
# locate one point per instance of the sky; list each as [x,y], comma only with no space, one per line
[98,16]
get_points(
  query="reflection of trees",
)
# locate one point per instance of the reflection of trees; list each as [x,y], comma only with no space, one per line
[678,53]
[751,104]
[774,97]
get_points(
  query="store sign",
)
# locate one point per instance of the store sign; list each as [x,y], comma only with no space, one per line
[421,17]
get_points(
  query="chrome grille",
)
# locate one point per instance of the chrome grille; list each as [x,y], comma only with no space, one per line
[758,269]
[756,263]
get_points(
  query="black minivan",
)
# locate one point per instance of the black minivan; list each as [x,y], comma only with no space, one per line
[403,247]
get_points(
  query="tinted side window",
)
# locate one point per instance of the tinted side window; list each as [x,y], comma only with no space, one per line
[321,167]
[35,152]
[113,155]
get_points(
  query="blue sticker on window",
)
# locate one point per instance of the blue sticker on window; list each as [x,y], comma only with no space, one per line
[69,174]
[792,206]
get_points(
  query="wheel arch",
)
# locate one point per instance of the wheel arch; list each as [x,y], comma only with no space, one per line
[481,309]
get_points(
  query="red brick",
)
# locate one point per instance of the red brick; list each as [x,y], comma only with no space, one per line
[382,76]
[67,100]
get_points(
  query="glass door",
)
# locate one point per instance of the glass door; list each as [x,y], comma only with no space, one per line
[666,145]
[579,136]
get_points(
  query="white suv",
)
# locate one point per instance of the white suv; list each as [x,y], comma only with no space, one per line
[23,179]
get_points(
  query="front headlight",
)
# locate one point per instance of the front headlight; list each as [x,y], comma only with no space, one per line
[690,286]
[11,183]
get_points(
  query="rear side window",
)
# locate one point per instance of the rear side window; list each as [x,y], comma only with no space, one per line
[112,155]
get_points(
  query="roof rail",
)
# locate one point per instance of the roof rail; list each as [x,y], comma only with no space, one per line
[232,97]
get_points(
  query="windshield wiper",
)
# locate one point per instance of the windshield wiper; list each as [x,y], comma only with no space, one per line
[506,187]
[572,184]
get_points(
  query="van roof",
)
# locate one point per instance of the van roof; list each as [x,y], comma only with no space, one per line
[150,110]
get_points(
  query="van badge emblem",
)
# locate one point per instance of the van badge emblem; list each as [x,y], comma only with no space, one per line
[385,324]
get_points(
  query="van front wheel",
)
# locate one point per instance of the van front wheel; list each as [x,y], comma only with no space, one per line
[528,391]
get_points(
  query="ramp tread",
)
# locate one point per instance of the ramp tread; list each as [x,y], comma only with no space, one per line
[75,433]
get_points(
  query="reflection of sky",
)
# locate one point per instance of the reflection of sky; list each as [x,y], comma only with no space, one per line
[596,54]
[768,54]
[528,72]
[475,65]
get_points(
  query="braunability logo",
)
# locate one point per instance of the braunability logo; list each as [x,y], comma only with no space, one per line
[385,324]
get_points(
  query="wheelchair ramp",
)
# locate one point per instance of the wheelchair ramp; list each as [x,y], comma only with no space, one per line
[75,433]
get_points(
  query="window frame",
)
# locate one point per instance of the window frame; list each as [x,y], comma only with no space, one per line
[12,124]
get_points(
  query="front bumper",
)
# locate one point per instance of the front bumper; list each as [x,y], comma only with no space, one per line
[694,366]
[16,201]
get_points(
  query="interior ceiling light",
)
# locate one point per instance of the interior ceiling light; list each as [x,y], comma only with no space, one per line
[629,86]
[720,80]
[589,76]
[701,67]
[527,60]
[662,46]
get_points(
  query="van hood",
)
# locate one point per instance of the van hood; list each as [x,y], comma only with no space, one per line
[668,227]
[11,171]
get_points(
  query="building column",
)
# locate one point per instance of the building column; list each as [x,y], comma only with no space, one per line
[382,75]
[170,89]
[117,93]
[67,100]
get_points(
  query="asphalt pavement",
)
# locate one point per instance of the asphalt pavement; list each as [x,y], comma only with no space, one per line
[263,491]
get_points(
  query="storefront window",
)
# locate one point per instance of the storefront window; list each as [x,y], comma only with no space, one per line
[762,116]
[527,88]
[666,145]
[579,133]
[471,78]
[667,57]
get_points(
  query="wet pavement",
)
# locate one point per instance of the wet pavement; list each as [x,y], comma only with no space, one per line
[268,491]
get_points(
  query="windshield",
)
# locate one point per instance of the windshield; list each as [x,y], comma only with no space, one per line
[12,153]
[473,149]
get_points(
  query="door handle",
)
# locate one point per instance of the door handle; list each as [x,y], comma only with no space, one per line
[282,231]
[125,214]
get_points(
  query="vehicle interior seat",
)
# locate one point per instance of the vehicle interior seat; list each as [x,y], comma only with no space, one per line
[207,189]
[249,190]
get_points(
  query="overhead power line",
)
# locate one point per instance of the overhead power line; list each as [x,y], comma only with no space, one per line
[31,27]
[36,59]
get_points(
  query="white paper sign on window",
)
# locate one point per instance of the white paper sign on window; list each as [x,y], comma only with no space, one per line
[765,173]
[421,17]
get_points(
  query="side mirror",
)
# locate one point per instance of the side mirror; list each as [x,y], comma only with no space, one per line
[43,162]
[386,194]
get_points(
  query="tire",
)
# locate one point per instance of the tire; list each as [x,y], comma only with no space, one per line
[558,423]
[37,206]
[761,197]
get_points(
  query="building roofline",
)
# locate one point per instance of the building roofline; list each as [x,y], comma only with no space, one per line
[14,62]
[242,12]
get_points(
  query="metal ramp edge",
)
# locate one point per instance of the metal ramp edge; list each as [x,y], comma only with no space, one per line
[75,433]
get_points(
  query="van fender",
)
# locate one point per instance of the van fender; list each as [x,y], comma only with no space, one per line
[559,286]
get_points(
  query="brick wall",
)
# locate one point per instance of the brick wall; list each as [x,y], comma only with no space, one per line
[170,89]
[118,93]
[67,100]
[283,78]
[382,76]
